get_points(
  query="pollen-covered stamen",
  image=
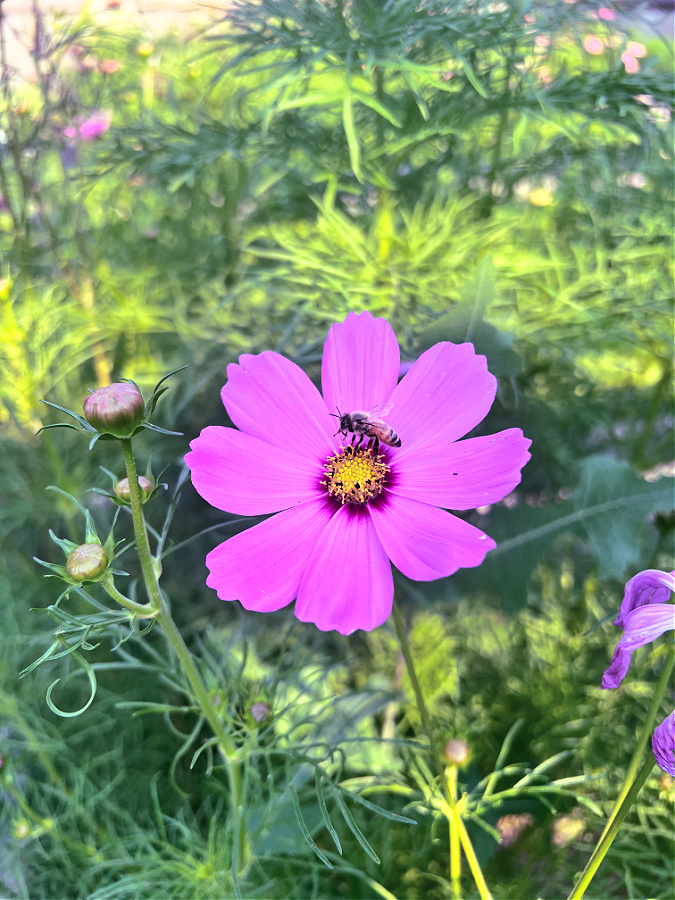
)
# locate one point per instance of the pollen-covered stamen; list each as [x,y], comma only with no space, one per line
[355,475]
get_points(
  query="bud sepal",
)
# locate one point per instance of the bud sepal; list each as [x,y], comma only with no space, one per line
[88,562]
[115,415]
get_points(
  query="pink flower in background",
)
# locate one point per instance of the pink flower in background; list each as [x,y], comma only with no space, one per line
[348,507]
[90,129]
[110,66]
[631,64]
[593,45]
[606,14]
[634,52]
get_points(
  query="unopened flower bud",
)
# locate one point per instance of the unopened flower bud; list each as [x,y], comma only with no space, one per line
[21,829]
[456,752]
[116,409]
[2,762]
[87,562]
[260,711]
[122,488]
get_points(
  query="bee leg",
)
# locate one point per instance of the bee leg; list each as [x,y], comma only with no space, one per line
[360,441]
[376,445]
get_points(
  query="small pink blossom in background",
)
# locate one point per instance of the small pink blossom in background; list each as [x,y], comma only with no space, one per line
[636,49]
[110,66]
[606,14]
[333,555]
[593,45]
[90,129]
[631,64]
[542,40]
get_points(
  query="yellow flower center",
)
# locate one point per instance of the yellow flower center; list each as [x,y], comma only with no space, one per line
[355,476]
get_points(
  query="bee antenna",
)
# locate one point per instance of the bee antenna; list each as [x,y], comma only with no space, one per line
[339,414]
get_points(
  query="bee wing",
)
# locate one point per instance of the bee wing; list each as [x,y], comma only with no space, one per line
[382,409]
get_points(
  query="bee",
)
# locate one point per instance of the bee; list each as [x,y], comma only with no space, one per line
[367,424]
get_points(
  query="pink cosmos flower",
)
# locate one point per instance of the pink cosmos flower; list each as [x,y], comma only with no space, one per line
[644,615]
[593,45]
[90,129]
[347,508]
[631,64]
[663,744]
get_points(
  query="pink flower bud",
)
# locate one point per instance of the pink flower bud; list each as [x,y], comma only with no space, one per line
[122,488]
[456,752]
[87,562]
[260,711]
[116,409]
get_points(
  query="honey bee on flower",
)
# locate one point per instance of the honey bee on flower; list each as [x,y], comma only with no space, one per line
[367,424]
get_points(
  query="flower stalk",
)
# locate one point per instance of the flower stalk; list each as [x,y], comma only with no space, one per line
[412,674]
[158,608]
[458,833]
[635,778]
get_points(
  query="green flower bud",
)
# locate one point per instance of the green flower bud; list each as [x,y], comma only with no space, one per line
[87,562]
[116,409]
[122,489]
[456,752]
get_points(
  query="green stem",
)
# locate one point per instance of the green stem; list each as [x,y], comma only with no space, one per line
[605,842]
[628,790]
[456,822]
[455,855]
[142,610]
[163,617]
[412,674]
[140,531]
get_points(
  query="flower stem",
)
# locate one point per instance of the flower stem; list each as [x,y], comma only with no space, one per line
[455,855]
[162,615]
[628,792]
[141,610]
[457,826]
[455,821]
[412,674]
[618,815]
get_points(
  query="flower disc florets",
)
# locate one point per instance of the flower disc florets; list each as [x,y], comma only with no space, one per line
[355,475]
[116,409]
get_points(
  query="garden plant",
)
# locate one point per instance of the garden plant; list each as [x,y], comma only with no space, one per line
[336,405]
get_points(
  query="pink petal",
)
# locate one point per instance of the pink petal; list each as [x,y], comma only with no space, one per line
[360,363]
[462,475]
[348,582]
[648,586]
[262,567]
[446,393]
[424,542]
[645,624]
[242,474]
[269,397]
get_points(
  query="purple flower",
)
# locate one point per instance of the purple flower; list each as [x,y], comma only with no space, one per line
[644,617]
[663,744]
[347,507]
[649,586]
